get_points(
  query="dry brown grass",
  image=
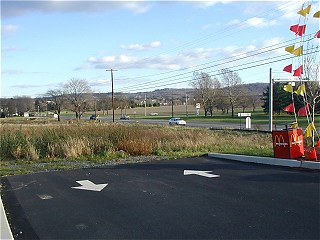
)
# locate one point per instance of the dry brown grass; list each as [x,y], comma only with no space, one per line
[100,140]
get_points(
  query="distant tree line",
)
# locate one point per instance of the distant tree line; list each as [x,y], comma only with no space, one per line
[225,93]
[76,95]
[214,94]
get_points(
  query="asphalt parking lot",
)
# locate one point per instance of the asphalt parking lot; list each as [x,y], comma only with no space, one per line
[198,198]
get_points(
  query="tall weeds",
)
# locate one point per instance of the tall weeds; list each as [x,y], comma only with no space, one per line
[74,141]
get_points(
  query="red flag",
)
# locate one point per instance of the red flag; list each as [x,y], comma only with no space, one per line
[313,154]
[301,30]
[318,143]
[298,71]
[288,68]
[317,35]
[289,108]
[294,28]
[304,111]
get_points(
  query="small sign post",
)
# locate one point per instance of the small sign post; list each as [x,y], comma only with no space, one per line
[197,109]
[248,119]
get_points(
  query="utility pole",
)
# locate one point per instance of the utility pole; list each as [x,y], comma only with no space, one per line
[112,92]
[270,100]
[172,105]
[186,104]
[145,105]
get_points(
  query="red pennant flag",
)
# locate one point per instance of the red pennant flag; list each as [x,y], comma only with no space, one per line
[289,108]
[318,143]
[317,35]
[304,111]
[301,30]
[294,28]
[298,72]
[288,68]
[313,154]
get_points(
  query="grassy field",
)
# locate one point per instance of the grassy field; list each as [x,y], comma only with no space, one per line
[165,112]
[43,144]
[189,114]
[64,146]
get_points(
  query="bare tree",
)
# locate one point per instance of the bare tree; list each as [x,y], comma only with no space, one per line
[255,100]
[79,94]
[8,106]
[57,98]
[204,87]
[122,102]
[24,104]
[230,81]
[104,103]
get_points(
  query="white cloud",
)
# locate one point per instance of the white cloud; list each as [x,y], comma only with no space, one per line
[10,49]
[209,3]
[99,81]
[206,26]
[253,52]
[252,22]
[259,22]
[109,59]
[137,7]
[290,10]
[141,47]
[17,8]
[161,62]
[12,72]
[9,30]
[233,22]
[271,42]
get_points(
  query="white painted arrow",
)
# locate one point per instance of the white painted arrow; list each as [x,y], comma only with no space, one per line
[200,173]
[90,186]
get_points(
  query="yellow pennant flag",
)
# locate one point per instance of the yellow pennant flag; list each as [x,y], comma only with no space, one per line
[288,88]
[294,125]
[316,14]
[304,12]
[290,49]
[301,90]
[298,51]
[310,129]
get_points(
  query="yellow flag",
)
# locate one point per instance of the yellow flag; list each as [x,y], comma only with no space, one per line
[290,49]
[304,12]
[294,125]
[309,129]
[317,14]
[298,51]
[301,90]
[288,88]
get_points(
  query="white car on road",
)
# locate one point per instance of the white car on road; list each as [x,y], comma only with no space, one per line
[177,121]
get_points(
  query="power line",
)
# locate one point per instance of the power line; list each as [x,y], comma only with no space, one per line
[220,62]
[241,68]
[218,33]
[178,74]
[235,58]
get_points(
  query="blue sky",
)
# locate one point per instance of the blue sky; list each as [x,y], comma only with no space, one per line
[152,44]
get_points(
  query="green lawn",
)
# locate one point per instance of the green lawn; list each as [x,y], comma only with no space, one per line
[165,112]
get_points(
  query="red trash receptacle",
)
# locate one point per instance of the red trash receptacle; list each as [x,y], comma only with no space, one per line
[288,143]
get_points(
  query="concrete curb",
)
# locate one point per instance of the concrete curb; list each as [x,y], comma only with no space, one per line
[268,160]
[5,231]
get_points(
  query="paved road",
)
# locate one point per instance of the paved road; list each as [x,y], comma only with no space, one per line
[230,200]
[222,125]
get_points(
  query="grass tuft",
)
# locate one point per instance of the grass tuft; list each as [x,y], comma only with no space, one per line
[100,142]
